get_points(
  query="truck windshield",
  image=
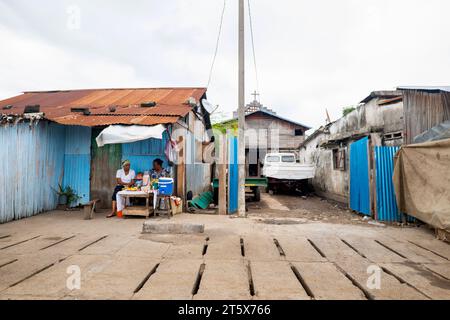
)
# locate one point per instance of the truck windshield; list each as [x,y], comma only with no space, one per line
[273,159]
[288,159]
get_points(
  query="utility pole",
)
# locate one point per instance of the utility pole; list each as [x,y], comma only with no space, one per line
[241,148]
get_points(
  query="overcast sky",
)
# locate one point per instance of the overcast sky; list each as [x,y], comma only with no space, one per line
[311,55]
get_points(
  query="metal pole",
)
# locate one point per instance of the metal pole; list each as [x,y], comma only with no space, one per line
[241,198]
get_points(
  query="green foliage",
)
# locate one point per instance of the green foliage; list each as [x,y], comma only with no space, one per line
[223,127]
[70,194]
[348,110]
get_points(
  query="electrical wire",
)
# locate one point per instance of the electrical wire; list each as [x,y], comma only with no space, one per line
[217,43]
[253,45]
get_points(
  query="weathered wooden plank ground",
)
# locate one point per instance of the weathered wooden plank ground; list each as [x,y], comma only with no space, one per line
[234,259]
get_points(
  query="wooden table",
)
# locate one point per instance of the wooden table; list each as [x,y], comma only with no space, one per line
[138,211]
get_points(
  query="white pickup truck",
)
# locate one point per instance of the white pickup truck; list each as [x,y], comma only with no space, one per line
[283,172]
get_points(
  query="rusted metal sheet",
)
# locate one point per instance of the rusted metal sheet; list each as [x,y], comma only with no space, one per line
[108,106]
[32,161]
[92,121]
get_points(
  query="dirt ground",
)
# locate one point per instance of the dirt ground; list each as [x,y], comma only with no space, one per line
[302,249]
[291,208]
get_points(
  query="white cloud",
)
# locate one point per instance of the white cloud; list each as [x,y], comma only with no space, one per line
[311,55]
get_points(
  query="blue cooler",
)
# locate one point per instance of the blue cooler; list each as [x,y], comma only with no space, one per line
[165,186]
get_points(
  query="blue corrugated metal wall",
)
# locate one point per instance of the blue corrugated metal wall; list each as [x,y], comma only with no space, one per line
[359,177]
[233,188]
[387,209]
[142,153]
[77,161]
[32,162]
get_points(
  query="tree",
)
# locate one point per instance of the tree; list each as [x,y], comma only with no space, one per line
[348,110]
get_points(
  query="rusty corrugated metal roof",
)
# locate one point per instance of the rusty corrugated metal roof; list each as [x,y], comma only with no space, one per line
[171,104]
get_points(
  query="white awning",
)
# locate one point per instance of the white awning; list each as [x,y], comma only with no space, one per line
[128,134]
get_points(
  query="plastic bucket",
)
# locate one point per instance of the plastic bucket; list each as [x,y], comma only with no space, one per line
[165,186]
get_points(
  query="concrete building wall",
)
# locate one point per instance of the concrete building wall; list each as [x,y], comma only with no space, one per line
[333,184]
[383,123]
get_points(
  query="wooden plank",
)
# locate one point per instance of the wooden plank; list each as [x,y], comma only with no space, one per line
[299,249]
[137,212]
[411,251]
[143,248]
[442,270]
[351,263]
[109,245]
[334,249]
[327,282]
[52,282]
[224,248]
[116,280]
[425,281]
[190,247]
[439,247]
[372,250]
[224,280]
[223,151]
[276,274]
[25,268]
[260,248]
[36,245]
[173,280]
[181,170]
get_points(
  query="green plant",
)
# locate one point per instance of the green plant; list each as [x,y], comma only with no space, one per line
[69,193]
[348,110]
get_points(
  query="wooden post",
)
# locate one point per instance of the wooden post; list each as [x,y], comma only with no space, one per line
[241,112]
[223,155]
[374,141]
[181,171]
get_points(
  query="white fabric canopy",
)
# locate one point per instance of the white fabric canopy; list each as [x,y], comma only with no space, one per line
[128,134]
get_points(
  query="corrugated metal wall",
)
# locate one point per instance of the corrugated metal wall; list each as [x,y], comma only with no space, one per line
[32,162]
[142,153]
[387,209]
[359,177]
[198,174]
[77,161]
[423,111]
[36,159]
[233,169]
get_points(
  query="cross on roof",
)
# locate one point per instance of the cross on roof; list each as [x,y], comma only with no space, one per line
[255,95]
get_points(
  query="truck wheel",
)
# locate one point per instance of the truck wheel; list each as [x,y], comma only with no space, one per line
[257,194]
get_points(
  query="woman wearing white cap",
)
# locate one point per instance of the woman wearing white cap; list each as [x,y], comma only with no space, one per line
[125,178]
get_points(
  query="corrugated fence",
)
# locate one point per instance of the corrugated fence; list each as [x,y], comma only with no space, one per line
[31,168]
[233,183]
[359,177]
[77,161]
[387,209]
